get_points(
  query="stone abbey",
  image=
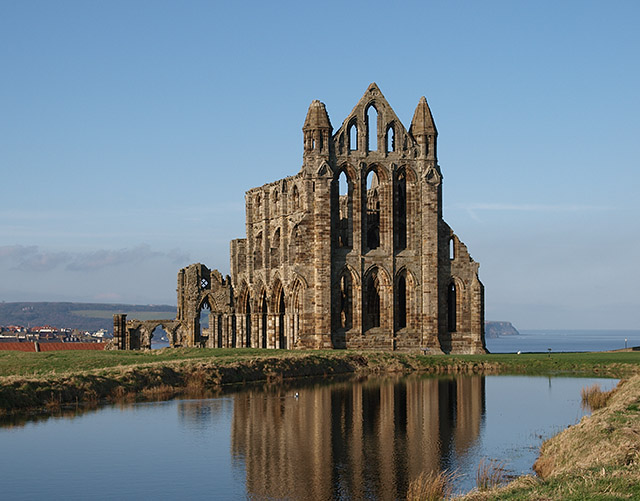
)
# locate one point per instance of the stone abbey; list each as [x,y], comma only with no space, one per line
[350,252]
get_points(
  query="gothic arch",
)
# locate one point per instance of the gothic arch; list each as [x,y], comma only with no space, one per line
[455,300]
[404,299]
[375,290]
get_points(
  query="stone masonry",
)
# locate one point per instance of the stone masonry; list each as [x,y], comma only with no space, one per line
[350,252]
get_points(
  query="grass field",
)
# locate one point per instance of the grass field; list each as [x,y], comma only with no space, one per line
[615,364]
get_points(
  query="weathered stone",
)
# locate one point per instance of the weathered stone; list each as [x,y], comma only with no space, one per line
[351,252]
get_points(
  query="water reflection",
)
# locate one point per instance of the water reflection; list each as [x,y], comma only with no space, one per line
[354,440]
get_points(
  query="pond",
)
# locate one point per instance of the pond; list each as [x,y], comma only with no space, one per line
[349,439]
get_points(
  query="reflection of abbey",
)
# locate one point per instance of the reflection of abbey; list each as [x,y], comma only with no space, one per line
[351,252]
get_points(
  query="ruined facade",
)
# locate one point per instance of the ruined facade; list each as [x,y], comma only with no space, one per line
[351,252]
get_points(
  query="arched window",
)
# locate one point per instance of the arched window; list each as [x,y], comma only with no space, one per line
[296,305]
[247,321]
[282,339]
[451,307]
[346,301]
[372,301]
[275,249]
[400,226]
[296,246]
[401,303]
[257,253]
[265,319]
[352,132]
[452,249]
[343,211]
[295,198]
[373,211]
[372,128]
[390,139]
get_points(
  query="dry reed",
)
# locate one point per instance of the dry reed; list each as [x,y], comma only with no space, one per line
[431,486]
[490,474]
[594,398]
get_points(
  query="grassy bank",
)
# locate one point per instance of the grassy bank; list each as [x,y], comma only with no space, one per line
[599,458]
[37,380]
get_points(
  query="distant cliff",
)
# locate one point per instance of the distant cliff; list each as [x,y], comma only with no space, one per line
[497,329]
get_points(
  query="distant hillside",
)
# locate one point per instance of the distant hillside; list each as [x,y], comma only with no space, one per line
[497,329]
[82,316]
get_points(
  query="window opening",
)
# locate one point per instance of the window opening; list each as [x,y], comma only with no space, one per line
[282,339]
[344,211]
[275,249]
[372,302]
[353,136]
[401,303]
[451,306]
[264,321]
[247,321]
[372,128]
[159,338]
[391,139]
[373,211]
[345,301]
[204,320]
[258,252]
[452,250]
[295,197]
[400,226]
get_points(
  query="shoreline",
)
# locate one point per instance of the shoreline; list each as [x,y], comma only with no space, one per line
[76,378]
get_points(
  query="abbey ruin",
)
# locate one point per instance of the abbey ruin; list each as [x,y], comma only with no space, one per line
[350,252]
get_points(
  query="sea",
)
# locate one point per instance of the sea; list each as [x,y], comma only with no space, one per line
[541,341]
[554,340]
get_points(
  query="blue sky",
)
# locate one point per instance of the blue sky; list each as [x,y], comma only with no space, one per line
[130,130]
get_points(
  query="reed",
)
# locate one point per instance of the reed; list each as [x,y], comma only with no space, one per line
[594,398]
[431,486]
[490,474]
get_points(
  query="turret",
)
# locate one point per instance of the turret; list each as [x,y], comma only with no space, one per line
[317,131]
[423,129]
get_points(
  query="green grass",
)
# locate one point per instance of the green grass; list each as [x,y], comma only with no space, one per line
[606,364]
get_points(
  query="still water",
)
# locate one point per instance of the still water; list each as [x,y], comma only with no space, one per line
[350,439]
[542,341]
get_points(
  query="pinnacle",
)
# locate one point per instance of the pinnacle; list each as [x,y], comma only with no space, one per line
[317,116]
[422,122]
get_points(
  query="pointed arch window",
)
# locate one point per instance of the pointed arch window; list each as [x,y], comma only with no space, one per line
[342,209]
[346,301]
[401,302]
[275,249]
[265,320]
[452,249]
[247,320]
[372,301]
[451,307]
[258,252]
[372,128]
[373,211]
[390,139]
[282,339]
[295,198]
[400,223]
[352,132]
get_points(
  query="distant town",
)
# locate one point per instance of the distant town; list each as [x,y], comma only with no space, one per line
[51,334]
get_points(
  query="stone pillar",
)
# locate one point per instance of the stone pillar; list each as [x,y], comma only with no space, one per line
[120,331]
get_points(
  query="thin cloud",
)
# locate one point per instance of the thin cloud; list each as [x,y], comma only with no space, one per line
[32,258]
[532,207]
